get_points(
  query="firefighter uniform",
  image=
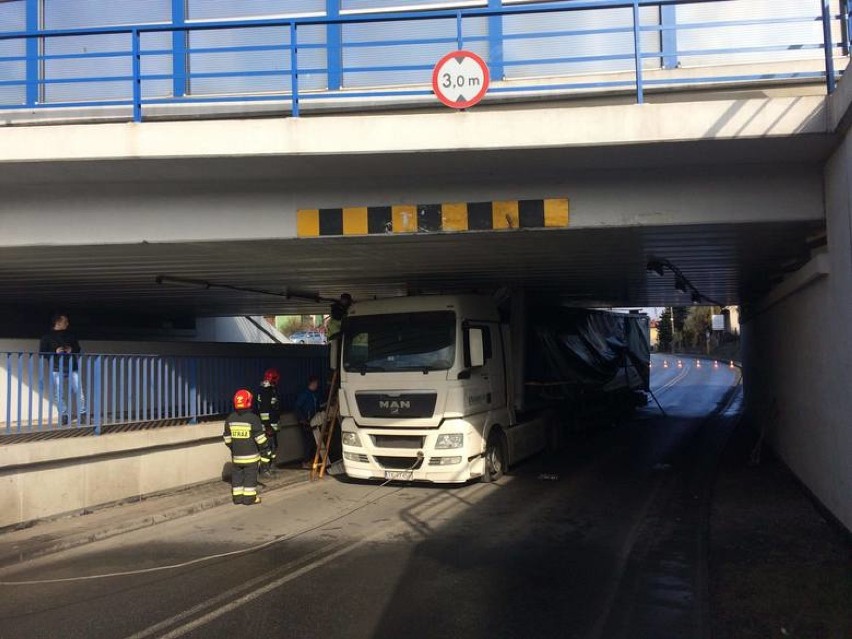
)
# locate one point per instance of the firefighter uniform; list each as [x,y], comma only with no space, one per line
[245,436]
[268,408]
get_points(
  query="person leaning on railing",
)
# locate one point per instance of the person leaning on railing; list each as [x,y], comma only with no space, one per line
[60,347]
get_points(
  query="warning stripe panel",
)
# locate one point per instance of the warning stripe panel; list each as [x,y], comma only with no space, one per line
[434,218]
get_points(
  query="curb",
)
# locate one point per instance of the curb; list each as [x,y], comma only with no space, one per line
[132,525]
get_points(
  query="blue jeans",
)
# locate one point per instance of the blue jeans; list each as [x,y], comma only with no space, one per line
[61,384]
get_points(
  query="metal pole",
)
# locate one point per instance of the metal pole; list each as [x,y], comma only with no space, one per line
[637,53]
[459,36]
[828,45]
[294,71]
[137,79]
[97,394]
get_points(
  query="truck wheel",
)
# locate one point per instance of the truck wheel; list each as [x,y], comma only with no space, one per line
[495,458]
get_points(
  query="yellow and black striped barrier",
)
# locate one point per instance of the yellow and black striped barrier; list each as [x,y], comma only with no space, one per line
[434,218]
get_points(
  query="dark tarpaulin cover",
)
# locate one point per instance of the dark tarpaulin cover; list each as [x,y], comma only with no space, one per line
[602,349]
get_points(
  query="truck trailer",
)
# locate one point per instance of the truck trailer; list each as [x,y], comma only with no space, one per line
[450,388]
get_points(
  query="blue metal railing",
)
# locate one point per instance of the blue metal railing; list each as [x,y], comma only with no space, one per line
[45,392]
[284,60]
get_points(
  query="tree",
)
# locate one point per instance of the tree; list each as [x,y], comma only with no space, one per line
[679,313]
[665,330]
[696,325]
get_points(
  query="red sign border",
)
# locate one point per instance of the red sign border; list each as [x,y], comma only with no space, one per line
[475,99]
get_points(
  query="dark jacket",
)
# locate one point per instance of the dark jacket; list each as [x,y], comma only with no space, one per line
[268,404]
[245,436]
[307,405]
[60,339]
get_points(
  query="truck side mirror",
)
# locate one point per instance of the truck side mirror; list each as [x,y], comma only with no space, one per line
[476,348]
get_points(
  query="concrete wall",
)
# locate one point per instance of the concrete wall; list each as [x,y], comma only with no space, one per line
[48,478]
[798,356]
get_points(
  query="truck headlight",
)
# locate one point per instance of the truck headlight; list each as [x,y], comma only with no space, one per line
[451,440]
[351,439]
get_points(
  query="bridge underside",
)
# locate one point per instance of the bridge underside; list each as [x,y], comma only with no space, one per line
[585,266]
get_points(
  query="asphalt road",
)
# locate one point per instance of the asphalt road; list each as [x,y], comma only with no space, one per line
[612,548]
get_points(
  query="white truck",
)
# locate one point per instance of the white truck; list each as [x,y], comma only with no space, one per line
[432,388]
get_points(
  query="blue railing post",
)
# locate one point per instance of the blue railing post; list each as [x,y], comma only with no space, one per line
[637,53]
[20,389]
[459,27]
[137,79]
[97,392]
[495,42]
[668,35]
[193,391]
[179,43]
[33,71]
[828,45]
[8,393]
[294,71]
[334,46]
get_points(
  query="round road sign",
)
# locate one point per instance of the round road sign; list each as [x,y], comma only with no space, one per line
[460,79]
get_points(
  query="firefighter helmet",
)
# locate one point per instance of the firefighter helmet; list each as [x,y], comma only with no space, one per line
[243,399]
[271,375]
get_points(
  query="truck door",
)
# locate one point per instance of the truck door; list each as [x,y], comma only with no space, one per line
[489,379]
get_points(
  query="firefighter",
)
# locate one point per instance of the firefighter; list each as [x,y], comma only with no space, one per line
[268,408]
[339,310]
[245,437]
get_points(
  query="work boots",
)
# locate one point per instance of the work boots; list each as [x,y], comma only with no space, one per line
[251,500]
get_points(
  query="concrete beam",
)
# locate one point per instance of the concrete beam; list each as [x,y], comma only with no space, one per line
[514,128]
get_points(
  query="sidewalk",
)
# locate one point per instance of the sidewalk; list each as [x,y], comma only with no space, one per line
[777,567]
[55,535]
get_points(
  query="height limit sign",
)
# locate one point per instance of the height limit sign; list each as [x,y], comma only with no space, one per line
[460,79]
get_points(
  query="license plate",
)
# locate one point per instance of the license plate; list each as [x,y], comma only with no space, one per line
[399,475]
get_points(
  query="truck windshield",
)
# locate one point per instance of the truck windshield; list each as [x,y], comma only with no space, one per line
[400,342]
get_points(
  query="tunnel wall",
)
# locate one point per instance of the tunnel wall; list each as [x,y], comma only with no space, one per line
[798,357]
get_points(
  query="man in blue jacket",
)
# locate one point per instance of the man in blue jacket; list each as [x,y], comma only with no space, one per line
[307,406]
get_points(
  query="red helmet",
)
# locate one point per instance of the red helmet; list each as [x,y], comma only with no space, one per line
[271,375]
[243,399]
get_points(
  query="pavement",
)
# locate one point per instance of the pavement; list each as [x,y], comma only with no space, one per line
[779,566]
[608,539]
[63,533]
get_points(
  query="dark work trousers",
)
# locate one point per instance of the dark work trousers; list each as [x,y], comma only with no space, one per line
[244,483]
[309,444]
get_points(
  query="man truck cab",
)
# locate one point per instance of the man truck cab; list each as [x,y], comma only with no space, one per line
[427,391]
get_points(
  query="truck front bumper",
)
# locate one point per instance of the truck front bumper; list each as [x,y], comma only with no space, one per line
[420,463]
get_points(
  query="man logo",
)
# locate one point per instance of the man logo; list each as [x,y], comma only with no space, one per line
[393,406]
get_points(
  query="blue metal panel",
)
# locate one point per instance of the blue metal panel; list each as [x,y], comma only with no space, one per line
[227,9]
[405,52]
[577,42]
[14,66]
[786,24]
[401,5]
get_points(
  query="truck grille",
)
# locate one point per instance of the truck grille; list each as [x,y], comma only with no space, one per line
[411,405]
[399,463]
[398,441]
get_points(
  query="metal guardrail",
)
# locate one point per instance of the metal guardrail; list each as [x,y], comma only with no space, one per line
[292,65]
[37,391]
